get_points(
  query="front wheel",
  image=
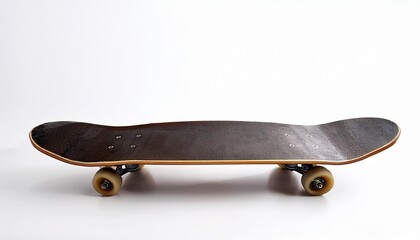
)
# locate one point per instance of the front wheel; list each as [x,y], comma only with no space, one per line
[317,181]
[107,181]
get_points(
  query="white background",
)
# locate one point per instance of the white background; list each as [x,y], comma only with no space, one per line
[132,62]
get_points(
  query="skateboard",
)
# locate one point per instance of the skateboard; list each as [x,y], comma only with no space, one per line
[299,148]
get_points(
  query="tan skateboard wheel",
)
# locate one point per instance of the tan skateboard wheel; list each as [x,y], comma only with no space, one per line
[107,181]
[317,181]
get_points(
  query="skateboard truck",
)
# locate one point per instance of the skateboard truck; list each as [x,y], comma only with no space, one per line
[300,168]
[128,168]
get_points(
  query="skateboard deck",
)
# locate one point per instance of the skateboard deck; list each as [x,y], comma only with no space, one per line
[295,147]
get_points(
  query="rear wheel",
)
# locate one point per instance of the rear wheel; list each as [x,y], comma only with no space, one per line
[317,181]
[107,181]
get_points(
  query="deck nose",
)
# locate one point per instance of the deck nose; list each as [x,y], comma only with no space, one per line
[39,132]
[49,136]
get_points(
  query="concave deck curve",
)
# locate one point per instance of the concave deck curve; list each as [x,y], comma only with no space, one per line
[215,142]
